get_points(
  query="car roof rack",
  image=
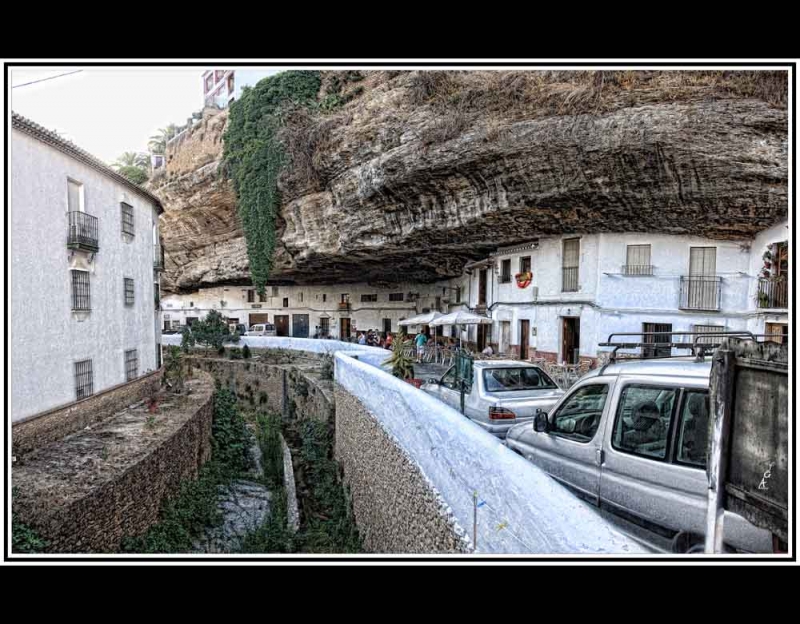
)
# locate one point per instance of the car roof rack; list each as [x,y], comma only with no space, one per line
[702,343]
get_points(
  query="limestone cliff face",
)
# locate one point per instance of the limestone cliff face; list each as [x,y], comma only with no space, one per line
[424,171]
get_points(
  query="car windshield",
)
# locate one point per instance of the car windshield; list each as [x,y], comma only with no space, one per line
[509,379]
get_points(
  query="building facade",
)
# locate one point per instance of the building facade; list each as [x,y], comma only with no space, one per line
[560,297]
[85,274]
[338,311]
[223,86]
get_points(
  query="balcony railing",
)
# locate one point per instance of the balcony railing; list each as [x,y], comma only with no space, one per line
[569,279]
[157,298]
[700,292]
[344,306]
[82,231]
[773,293]
[637,269]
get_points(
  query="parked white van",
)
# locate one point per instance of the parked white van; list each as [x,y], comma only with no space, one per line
[261,329]
[632,438]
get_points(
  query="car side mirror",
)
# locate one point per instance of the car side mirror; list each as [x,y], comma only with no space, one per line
[540,422]
[433,381]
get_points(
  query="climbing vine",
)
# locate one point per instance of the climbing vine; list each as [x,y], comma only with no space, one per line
[254,157]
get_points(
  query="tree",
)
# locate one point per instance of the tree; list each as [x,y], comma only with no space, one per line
[158,142]
[137,175]
[132,159]
[211,331]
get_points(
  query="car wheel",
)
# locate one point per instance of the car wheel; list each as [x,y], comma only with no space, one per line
[688,543]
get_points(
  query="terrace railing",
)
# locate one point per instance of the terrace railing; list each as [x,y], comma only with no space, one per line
[700,292]
[773,293]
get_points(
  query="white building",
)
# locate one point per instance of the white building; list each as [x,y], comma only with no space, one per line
[223,86]
[85,265]
[581,289]
[584,288]
[337,311]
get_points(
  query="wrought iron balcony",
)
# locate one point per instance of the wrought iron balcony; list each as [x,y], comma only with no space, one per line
[344,306]
[700,292]
[82,232]
[637,269]
[773,293]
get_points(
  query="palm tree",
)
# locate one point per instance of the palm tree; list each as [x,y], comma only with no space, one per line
[132,159]
[158,142]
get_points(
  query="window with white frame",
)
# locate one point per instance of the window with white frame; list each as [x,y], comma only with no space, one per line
[637,260]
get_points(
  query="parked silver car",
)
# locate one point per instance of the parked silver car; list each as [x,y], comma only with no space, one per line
[632,438]
[503,393]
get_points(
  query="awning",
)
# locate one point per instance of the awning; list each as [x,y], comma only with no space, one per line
[461,317]
[421,319]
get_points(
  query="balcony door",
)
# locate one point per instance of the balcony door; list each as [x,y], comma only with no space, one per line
[75,196]
[702,287]
[482,287]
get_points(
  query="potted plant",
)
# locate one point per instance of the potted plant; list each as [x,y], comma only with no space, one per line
[402,364]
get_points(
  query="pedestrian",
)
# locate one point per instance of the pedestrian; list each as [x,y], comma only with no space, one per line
[362,339]
[389,340]
[420,341]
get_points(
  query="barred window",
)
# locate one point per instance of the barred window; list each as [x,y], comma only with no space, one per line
[80,290]
[368,298]
[128,291]
[505,272]
[127,218]
[525,264]
[131,365]
[251,296]
[396,296]
[708,329]
[84,380]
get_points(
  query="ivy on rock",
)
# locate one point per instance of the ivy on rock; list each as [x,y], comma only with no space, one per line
[254,157]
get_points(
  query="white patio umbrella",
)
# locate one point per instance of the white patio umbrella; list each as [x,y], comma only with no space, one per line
[423,319]
[461,317]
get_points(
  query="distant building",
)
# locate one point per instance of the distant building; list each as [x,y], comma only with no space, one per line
[337,311]
[223,86]
[85,274]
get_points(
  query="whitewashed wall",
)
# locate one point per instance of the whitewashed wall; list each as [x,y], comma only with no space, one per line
[47,338]
[363,315]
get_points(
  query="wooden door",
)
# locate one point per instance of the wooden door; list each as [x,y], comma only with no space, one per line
[344,329]
[281,324]
[570,340]
[524,338]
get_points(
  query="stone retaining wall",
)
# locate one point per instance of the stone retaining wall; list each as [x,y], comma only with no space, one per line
[41,429]
[395,508]
[86,492]
[294,390]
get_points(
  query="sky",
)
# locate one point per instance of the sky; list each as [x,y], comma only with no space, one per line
[108,110]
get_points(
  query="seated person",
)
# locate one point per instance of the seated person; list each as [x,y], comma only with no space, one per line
[647,426]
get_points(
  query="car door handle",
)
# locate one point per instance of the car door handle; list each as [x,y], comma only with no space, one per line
[599,456]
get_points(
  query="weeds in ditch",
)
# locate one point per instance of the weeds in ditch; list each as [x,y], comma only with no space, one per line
[184,519]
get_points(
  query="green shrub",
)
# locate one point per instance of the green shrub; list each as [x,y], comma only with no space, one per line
[230,439]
